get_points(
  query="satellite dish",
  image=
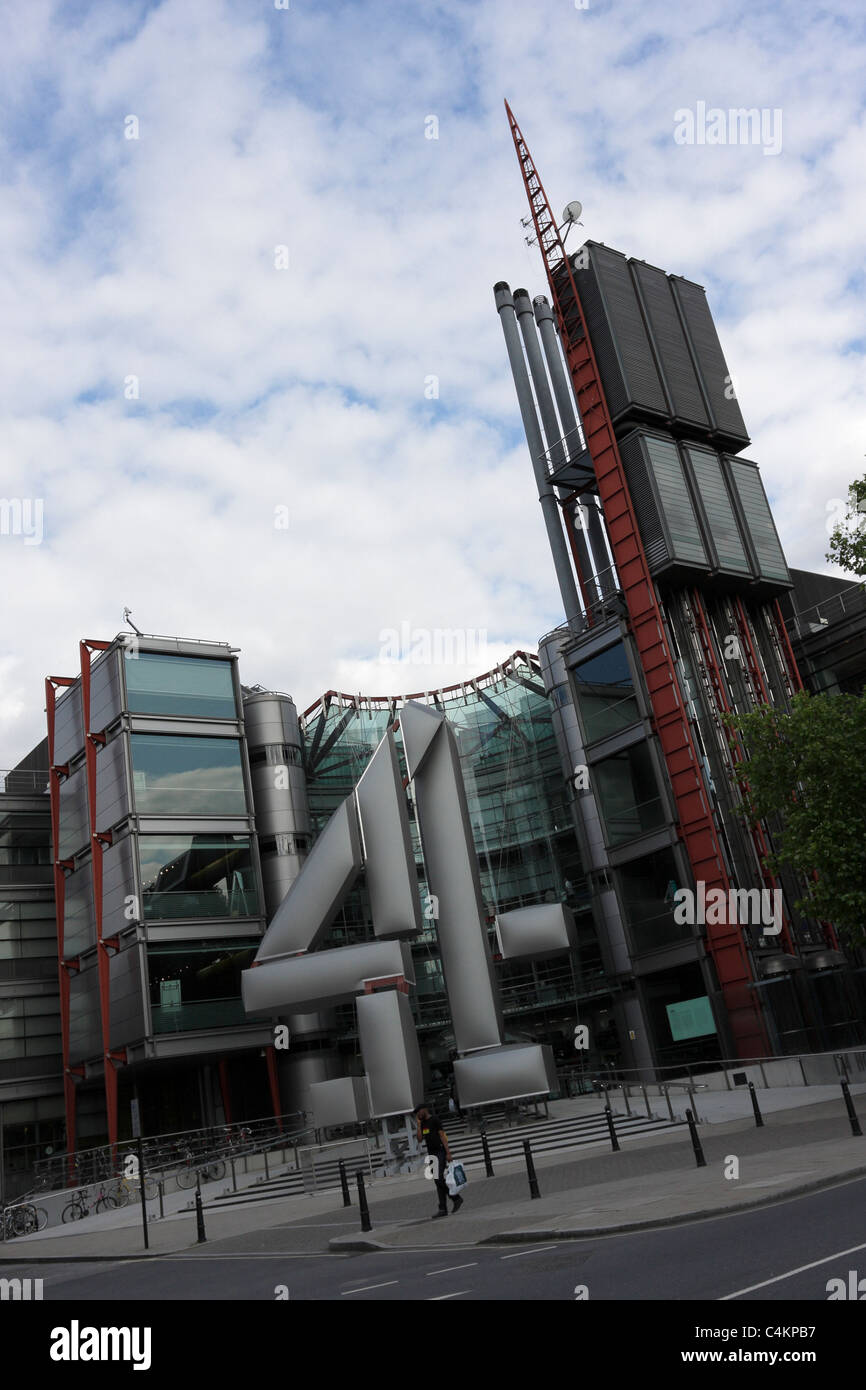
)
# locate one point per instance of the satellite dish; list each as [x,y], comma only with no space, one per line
[572,211]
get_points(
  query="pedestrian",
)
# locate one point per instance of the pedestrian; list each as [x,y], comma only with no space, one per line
[431,1132]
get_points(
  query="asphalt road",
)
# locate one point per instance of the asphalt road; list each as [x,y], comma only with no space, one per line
[781,1253]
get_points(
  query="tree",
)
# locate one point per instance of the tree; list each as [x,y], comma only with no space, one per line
[848,538]
[809,767]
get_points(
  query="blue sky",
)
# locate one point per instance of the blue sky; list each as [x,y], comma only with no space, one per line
[153,260]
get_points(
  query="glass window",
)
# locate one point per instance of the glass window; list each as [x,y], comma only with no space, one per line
[157,683]
[197,984]
[197,876]
[627,790]
[646,890]
[605,693]
[178,776]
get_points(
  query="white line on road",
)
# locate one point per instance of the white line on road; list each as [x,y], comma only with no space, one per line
[439,1297]
[791,1272]
[536,1251]
[451,1268]
[365,1287]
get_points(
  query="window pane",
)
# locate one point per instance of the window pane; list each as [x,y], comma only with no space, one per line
[176,776]
[197,876]
[188,685]
[605,693]
[198,985]
[646,889]
[627,791]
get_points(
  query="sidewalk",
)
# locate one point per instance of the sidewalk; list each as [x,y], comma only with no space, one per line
[652,1181]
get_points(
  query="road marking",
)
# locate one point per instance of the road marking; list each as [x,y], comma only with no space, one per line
[365,1287]
[536,1251]
[439,1297]
[451,1268]
[791,1272]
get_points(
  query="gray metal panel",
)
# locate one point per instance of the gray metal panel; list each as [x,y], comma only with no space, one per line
[74,818]
[310,904]
[105,690]
[79,921]
[505,1073]
[205,728]
[119,881]
[616,329]
[392,880]
[343,1101]
[545,929]
[715,498]
[419,726]
[271,718]
[389,1047]
[299,984]
[452,877]
[68,725]
[646,506]
[283,809]
[85,1036]
[669,343]
[677,513]
[112,786]
[710,360]
[128,974]
[759,518]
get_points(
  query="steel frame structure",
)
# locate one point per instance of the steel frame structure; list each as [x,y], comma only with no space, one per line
[646,624]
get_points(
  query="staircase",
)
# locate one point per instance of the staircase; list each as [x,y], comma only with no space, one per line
[506,1147]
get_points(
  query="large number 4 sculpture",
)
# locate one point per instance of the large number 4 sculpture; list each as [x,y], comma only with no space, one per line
[370,829]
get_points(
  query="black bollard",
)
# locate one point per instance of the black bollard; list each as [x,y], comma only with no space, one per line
[488,1161]
[614,1142]
[161,1195]
[849,1106]
[700,1161]
[362,1203]
[141,1194]
[199,1215]
[530,1171]
[344,1183]
[759,1119]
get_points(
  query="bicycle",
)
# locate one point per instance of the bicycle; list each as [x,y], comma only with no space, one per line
[22,1219]
[78,1208]
[209,1170]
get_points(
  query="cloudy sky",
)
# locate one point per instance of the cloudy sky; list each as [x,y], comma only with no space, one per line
[232,259]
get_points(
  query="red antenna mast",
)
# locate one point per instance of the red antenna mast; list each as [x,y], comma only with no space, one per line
[696,826]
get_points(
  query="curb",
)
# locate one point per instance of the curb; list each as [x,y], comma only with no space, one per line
[353,1243]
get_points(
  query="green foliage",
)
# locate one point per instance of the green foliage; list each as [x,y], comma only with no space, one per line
[848,539]
[809,767]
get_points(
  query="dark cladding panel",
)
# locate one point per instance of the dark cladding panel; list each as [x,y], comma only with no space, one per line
[721,519]
[672,350]
[618,336]
[662,502]
[728,421]
[759,520]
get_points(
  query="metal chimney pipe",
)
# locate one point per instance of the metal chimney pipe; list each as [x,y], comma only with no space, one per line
[546,494]
[564,400]
[556,449]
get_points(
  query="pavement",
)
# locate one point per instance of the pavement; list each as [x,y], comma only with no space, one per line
[805,1145]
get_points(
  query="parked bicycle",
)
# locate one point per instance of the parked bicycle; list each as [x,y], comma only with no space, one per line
[78,1208]
[209,1170]
[22,1219]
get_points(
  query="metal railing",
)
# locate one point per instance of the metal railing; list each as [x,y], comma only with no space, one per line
[24,781]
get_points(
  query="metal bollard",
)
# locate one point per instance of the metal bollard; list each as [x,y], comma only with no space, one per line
[759,1119]
[344,1183]
[530,1171]
[362,1203]
[614,1142]
[199,1216]
[849,1106]
[234,1176]
[267,1173]
[488,1161]
[161,1193]
[700,1161]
